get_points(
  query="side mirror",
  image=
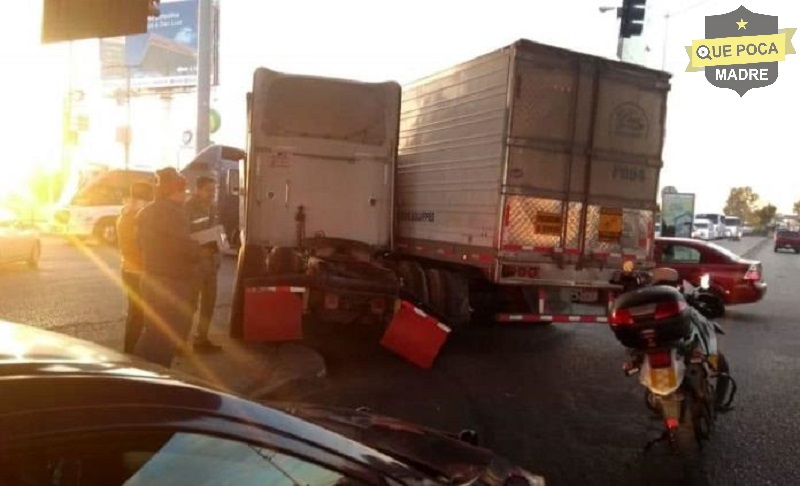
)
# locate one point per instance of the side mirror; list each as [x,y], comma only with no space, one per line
[232,182]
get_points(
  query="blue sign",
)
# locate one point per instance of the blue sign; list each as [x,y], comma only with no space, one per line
[165,56]
[677,214]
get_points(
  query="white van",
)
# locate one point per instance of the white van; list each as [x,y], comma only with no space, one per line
[717,224]
[91,209]
[702,229]
[733,227]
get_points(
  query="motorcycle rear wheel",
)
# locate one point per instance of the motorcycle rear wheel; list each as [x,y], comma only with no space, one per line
[685,439]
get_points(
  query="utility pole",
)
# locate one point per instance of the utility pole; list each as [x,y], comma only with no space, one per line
[204,32]
[127,116]
[66,131]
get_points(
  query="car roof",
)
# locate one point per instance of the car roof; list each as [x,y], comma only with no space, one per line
[49,373]
[706,246]
[676,239]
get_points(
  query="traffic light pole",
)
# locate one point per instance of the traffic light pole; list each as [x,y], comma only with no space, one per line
[631,16]
[204,32]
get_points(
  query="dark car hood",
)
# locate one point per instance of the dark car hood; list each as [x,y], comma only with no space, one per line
[419,447]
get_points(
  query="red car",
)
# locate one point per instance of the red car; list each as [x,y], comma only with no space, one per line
[735,279]
[787,240]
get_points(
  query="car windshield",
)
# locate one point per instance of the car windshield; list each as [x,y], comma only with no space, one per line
[788,234]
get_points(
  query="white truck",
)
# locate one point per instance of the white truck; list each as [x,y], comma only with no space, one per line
[509,186]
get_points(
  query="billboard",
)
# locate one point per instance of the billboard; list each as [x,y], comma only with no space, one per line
[164,57]
[677,214]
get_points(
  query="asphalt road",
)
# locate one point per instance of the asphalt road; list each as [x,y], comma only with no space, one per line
[77,291]
[552,398]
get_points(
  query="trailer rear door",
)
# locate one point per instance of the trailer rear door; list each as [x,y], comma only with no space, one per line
[584,155]
[322,153]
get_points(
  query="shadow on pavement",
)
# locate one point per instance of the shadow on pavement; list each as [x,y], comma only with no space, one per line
[739,315]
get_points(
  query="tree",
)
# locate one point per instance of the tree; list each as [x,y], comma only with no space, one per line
[766,214]
[741,203]
[796,208]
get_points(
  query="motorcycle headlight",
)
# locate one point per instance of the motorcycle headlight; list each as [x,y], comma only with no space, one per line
[705,281]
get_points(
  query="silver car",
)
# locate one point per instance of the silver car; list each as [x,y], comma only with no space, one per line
[19,240]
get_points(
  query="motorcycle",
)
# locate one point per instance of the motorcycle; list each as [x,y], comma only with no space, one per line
[704,300]
[673,350]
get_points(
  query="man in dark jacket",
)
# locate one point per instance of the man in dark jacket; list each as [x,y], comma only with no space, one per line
[170,260]
[141,195]
[201,211]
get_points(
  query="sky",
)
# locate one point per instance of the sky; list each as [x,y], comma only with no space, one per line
[715,139]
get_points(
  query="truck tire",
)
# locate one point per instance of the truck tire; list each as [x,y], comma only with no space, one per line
[437,291]
[459,311]
[449,296]
[414,280]
[106,231]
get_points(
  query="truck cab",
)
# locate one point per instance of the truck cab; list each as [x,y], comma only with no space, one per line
[317,195]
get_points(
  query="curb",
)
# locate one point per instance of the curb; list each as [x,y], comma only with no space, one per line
[756,248]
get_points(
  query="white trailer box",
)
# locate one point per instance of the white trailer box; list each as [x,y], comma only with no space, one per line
[320,160]
[535,164]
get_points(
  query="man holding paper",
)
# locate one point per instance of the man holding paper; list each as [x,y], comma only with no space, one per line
[207,232]
[170,259]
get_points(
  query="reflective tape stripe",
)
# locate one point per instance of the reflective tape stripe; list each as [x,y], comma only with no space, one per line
[284,289]
[483,257]
[550,318]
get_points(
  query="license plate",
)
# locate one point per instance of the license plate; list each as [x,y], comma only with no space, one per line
[587,296]
[662,378]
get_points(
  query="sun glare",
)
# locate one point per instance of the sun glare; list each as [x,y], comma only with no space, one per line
[31,94]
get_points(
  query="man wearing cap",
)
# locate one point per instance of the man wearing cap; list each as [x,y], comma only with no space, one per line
[141,193]
[170,260]
[201,211]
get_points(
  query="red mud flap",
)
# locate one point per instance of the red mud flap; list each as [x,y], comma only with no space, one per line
[273,314]
[415,335]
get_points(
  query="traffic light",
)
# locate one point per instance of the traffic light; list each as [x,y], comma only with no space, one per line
[632,18]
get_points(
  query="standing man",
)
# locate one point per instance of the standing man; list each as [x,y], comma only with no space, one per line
[170,261]
[202,215]
[141,194]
